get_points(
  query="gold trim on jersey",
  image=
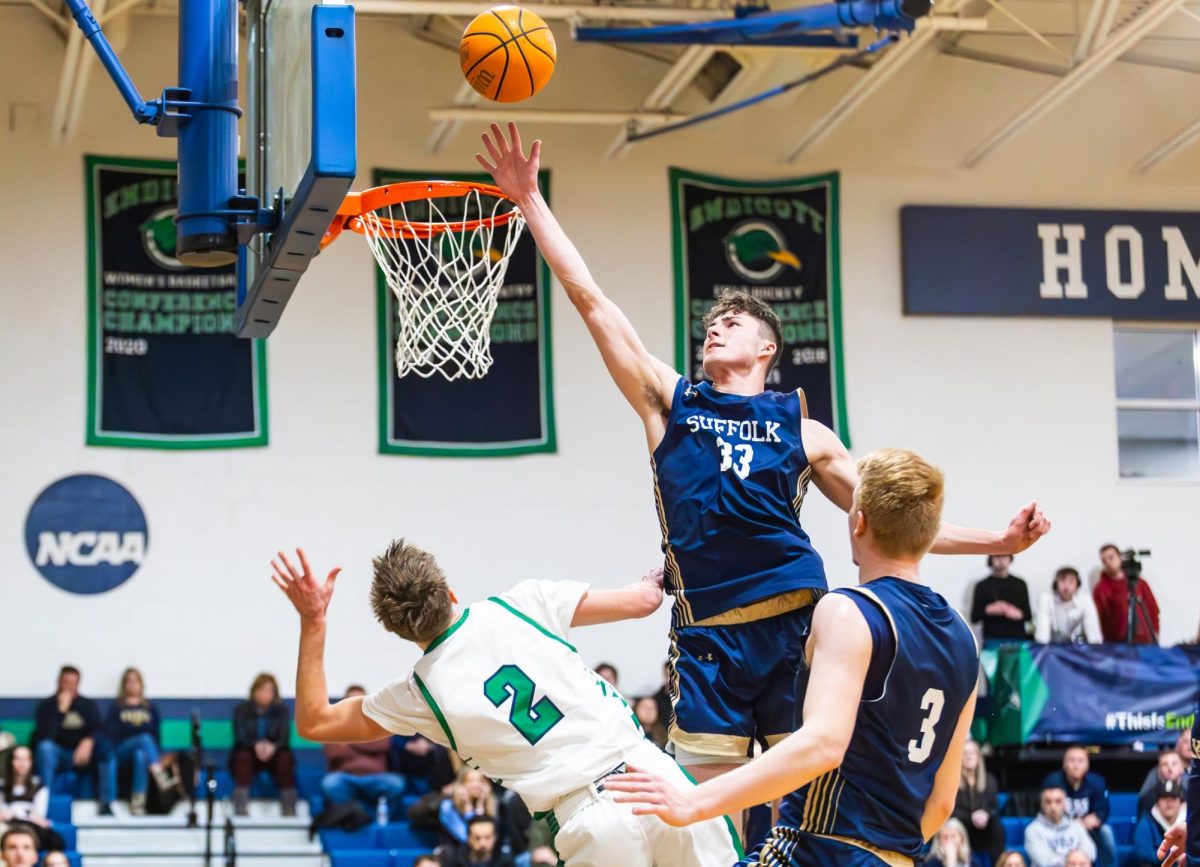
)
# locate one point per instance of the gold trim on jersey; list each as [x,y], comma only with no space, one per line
[801,490]
[672,578]
[772,607]
[773,740]
[710,745]
[892,859]
[803,402]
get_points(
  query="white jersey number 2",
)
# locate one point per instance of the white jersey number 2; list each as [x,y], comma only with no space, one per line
[932,703]
[744,452]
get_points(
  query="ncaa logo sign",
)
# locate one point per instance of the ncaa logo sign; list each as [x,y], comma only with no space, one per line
[86,534]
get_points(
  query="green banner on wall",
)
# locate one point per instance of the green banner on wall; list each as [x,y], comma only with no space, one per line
[508,411]
[777,240]
[165,369]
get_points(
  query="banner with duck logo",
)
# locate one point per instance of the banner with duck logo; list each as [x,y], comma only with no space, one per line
[508,411]
[164,367]
[777,240]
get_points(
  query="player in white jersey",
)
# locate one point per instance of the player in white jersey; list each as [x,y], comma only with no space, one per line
[501,685]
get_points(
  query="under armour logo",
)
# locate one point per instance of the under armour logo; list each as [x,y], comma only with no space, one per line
[706,657]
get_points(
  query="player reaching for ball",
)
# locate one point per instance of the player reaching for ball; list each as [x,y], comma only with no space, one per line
[731,464]
[500,684]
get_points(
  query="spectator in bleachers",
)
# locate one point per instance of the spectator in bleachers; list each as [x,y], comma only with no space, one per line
[1170,767]
[56,859]
[951,848]
[1075,858]
[427,861]
[539,856]
[25,801]
[608,671]
[1001,603]
[1052,833]
[18,848]
[261,729]
[471,796]
[132,726]
[646,711]
[1087,801]
[1010,858]
[359,772]
[1154,825]
[481,849]
[424,765]
[68,734]
[1111,594]
[1065,615]
[977,804]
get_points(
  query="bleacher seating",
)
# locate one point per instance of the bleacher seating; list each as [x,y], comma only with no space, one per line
[1122,819]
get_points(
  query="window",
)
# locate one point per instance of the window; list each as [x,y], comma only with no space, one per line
[1158,402]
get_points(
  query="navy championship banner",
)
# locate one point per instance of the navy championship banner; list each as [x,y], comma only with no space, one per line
[1110,694]
[510,410]
[1142,265]
[164,367]
[777,240]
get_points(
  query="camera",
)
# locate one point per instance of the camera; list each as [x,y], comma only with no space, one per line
[1131,565]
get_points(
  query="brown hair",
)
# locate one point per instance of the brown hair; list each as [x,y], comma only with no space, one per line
[1063,573]
[18,831]
[901,495]
[409,594]
[744,302]
[121,695]
[265,678]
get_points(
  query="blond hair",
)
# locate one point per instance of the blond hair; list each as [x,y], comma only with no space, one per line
[964,845]
[462,800]
[900,494]
[409,593]
[977,781]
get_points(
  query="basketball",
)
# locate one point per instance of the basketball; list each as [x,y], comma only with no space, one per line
[507,53]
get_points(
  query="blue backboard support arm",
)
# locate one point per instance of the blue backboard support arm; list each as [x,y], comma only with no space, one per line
[331,170]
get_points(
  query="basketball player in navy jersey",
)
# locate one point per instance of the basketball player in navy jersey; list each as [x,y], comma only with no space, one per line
[731,465]
[1181,846]
[888,696]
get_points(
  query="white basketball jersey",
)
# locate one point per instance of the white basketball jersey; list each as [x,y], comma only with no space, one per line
[504,689]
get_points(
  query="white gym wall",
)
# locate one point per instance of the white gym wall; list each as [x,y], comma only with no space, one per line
[1011,408]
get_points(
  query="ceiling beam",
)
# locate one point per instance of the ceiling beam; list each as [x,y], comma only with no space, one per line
[445,130]
[1096,28]
[957,49]
[548,11]
[1181,140]
[1152,15]
[535,115]
[681,73]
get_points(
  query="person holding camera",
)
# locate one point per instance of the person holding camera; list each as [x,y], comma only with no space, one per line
[1112,594]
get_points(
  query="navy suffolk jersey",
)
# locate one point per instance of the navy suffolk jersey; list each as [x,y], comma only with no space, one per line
[730,476]
[923,672]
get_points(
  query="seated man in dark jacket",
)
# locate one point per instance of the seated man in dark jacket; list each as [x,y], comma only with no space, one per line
[1153,826]
[68,735]
[261,729]
[1087,801]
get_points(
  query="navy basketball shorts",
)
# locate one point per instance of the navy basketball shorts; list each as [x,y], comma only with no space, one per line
[734,684]
[787,847]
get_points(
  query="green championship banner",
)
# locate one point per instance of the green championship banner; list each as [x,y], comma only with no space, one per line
[164,367]
[777,240]
[508,411]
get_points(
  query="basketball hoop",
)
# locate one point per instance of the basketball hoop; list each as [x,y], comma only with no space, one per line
[434,242]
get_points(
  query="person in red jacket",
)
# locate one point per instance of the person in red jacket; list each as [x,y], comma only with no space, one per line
[1112,602]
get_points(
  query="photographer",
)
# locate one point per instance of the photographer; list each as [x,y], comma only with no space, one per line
[1112,601]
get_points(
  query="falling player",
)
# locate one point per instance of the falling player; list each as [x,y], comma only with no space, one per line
[731,465]
[500,685]
[888,696]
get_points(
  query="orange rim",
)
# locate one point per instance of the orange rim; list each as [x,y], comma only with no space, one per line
[355,205]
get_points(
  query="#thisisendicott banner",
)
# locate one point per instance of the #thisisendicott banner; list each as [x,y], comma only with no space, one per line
[164,367]
[777,240]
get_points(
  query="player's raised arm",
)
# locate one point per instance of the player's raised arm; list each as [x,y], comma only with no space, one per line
[841,654]
[836,475]
[316,718]
[646,382]
[640,599]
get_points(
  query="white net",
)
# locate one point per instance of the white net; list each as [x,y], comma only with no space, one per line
[445,280]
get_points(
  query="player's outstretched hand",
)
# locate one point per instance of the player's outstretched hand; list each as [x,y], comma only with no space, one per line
[513,172]
[651,795]
[1174,846]
[309,596]
[1029,525]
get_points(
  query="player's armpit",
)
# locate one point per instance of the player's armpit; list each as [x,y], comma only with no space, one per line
[945,784]
[342,723]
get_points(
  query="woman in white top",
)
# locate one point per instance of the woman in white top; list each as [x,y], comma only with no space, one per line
[1065,615]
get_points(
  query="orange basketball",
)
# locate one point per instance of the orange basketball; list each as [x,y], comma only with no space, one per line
[507,53]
